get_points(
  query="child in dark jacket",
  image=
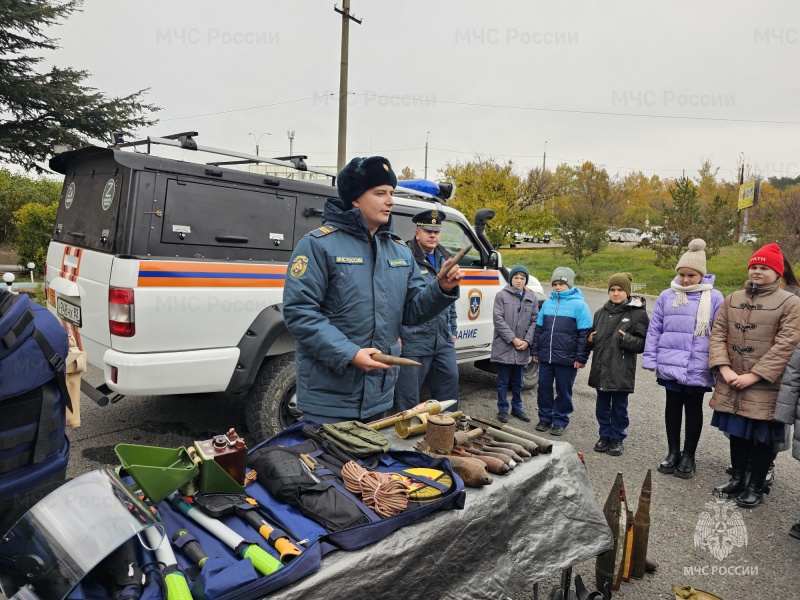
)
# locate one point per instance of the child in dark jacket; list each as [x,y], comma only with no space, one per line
[559,346]
[618,333]
[515,310]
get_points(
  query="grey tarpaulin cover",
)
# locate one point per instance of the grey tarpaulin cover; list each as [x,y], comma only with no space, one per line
[541,518]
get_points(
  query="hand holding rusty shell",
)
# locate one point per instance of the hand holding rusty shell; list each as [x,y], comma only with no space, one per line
[397,361]
[453,262]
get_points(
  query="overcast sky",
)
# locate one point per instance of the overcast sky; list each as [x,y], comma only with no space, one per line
[714,78]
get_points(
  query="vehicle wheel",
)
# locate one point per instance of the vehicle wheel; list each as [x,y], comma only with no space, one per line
[271,403]
[531,373]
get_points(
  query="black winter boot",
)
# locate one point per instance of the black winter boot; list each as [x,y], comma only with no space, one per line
[668,465]
[686,467]
[735,486]
[753,495]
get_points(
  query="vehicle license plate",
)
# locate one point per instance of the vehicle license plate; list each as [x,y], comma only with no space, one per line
[67,310]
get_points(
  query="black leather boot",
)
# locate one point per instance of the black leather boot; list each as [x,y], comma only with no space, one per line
[686,466]
[668,465]
[753,495]
[735,486]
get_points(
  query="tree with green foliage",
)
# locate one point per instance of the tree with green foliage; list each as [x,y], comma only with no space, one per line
[588,204]
[34,228]
[686,219]
[16,190]
[484,183]
[783,183]
[56,107]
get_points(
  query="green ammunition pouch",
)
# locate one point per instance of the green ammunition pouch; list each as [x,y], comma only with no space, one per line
[355,438]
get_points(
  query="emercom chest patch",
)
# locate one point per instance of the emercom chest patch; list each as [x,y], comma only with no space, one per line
[350,260]
[399,262]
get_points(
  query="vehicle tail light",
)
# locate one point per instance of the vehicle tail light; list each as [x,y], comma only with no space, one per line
[121,316]
[114,374]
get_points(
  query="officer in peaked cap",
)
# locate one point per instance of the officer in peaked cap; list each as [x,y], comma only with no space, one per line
[431,344]
[351,285]
[429,220]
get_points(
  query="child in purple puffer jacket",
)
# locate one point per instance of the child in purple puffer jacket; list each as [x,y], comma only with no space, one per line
[676,348]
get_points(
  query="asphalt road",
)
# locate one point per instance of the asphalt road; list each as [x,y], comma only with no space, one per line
[766,567]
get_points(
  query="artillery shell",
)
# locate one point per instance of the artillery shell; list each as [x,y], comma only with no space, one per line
[495,465]
[498,449]
[511,446]
[529,445]
[398,361]
[455,260]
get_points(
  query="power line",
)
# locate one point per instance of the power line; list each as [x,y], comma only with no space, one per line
[495,106]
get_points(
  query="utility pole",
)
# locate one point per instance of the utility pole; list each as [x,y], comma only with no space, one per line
[544,158]
[426,154]
[342,146]
[290,133]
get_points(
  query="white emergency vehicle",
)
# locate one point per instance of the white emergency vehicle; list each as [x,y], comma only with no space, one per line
[170,273]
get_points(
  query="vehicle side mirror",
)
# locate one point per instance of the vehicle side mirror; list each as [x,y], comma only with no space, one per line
[494,260]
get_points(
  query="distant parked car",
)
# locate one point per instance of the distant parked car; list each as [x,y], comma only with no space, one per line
[626,234]
[543,238]
[657,234]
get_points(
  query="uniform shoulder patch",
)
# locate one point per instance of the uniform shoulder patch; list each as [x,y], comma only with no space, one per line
[396,239]
[324,230]
[298,267]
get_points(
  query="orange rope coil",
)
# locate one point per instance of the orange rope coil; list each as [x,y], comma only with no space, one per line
[383,493]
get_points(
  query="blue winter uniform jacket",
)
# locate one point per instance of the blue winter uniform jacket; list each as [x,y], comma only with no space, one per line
[346,291]
[563,323]
[436,335]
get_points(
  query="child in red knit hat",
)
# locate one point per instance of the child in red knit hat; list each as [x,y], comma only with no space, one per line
[755,334]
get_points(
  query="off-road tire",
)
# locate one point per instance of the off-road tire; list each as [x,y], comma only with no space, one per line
[531,373]
[271,403]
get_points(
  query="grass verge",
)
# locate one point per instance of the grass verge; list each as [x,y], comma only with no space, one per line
[729,266]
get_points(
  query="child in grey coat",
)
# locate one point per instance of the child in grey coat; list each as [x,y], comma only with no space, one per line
[515,311]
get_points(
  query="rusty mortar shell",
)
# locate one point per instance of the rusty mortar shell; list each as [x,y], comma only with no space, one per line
[495,465]
[506,459]
[500,450]
[545,445]
[502,436]
[511,446]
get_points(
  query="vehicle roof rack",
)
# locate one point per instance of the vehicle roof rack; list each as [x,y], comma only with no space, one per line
[185,140]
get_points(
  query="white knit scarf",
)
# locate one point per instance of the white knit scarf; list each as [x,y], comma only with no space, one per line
[701,327]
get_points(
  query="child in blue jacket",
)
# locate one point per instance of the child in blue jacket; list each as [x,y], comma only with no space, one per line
[560,348]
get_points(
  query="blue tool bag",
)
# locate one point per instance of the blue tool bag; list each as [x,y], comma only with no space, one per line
[33,397]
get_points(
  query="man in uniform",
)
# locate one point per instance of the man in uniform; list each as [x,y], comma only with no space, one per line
[432,343]
[350,286]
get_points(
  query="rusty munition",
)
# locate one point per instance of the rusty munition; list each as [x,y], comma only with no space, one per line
[506,459]
[474,472]
[432,407]
[607,563]
[397,361]
[511,446]
[453,262]
[495,465]
[641,528]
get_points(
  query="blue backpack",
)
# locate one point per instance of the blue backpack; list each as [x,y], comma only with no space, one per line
[33,397]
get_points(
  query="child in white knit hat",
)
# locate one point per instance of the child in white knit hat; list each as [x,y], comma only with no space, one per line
[676,348]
